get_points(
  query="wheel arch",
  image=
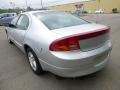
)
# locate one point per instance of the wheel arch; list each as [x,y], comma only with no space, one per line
[26,46]
[40,70]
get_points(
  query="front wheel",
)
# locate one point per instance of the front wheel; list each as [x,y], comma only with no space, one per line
[34,62]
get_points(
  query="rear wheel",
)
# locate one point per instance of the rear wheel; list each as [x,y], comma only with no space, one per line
[34,62]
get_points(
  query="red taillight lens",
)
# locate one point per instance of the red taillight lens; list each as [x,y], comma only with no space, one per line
[65,44]
[72,42]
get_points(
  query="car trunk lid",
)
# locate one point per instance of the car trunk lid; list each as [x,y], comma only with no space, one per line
[90,36]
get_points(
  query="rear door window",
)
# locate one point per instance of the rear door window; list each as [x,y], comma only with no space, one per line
[14,21]
[23,22]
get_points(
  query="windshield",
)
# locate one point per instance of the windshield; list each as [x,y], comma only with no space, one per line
[56,20]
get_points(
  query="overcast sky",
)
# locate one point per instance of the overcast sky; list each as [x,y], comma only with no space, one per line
[34,3]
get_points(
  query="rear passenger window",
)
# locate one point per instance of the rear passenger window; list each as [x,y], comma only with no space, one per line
[23,22]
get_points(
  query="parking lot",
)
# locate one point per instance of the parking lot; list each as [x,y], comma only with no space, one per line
[15,73]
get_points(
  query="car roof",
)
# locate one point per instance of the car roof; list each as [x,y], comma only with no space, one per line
[37,11]
[8,13]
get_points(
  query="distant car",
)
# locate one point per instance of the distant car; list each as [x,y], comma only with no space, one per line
[6,21]
[61,43]
[5,18]
[99,11]
[78,12]
[4,15]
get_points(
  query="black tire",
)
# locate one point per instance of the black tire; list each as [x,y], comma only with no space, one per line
[9,39]
[38,70]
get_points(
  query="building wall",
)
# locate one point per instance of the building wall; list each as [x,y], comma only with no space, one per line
[93,5]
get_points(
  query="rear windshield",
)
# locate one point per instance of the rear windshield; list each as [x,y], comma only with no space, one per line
[56,20]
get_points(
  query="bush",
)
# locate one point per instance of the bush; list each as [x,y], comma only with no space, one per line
[114,10]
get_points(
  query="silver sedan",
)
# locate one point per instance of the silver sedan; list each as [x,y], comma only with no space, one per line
[60,43]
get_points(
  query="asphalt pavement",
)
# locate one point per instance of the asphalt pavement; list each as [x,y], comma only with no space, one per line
[15,73]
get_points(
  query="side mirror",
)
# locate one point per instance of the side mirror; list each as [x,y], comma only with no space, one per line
[11,25]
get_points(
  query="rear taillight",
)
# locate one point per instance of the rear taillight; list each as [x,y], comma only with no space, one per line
[65,44]
[72,42]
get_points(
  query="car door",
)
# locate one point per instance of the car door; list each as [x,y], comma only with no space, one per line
[12,28]
[20,30]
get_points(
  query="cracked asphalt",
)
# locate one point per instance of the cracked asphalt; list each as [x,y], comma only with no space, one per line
[15,73]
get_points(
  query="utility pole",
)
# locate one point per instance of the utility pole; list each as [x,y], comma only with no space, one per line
[99,4]
[12,4]
[42,4]
[97,16]
[26,4]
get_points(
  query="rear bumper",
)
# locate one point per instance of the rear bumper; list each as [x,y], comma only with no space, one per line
[79,63]
[79,71]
